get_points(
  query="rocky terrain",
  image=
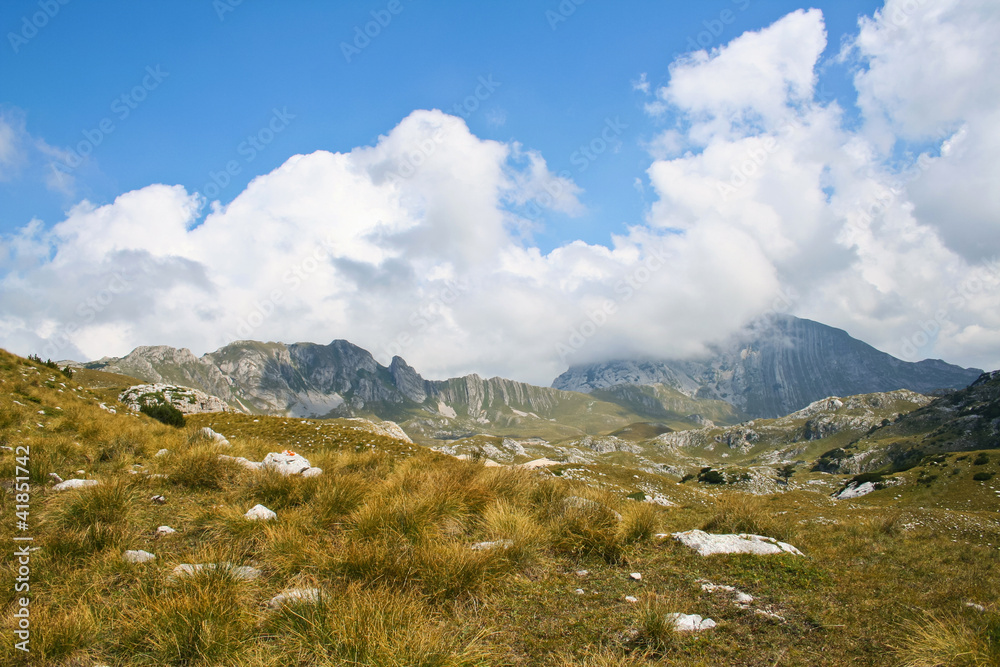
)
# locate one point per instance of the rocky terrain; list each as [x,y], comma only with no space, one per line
[774,367]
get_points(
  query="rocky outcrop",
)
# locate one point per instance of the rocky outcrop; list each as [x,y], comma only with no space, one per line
[774,367]
[186,399]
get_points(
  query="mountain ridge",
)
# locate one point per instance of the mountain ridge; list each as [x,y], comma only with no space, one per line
[776,366]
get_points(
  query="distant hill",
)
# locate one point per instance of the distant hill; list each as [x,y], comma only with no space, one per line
[774,367]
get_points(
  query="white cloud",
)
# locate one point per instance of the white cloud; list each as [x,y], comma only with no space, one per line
[419,244]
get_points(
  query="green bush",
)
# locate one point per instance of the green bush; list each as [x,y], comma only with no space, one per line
[981,460]
[165,413]
[710,476]
[982,476]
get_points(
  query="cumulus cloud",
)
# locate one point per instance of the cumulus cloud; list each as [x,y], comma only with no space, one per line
[420,245]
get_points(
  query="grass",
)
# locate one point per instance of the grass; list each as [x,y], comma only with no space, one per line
[386,535]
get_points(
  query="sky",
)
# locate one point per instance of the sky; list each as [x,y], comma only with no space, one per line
[506,188]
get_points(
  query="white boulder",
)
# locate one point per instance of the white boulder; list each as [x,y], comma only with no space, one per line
[690,622]
[707,544]
[260,513]
[75,484]
[295,596]
[164,530]
[209,434]
[137,556]
[856,491]
[244,572]
[286,463]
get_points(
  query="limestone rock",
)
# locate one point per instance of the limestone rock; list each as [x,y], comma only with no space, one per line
[690,622]
[244,572]
[260,513]
[137,556]
[75,484]
[295,596]
[708,544]
[186,399]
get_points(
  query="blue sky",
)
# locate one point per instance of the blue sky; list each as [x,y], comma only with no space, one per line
[228,67]
[505,188]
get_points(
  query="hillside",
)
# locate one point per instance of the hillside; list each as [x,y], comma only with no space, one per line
[397,555]
[774,367]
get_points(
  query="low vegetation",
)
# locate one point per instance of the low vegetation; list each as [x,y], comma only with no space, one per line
[418,558]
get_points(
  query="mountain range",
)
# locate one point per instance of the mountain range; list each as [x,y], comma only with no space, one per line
[771,368]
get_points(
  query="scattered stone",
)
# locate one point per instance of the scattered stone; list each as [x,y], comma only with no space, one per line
[660,500]
[312,472]
[162,452]
[81,472]
[690,622]
[159,500]
[977,607]
[579,591]
[582,573]
[209,434]
[239,460]
[740,597]
[75,484]
[244,572]
[631,598]
[56,477]
[486,546]
[635,576]
[108,409]
[770,615]
[164,530]
[260,513]
[707,544]
[137,556]
[295,596]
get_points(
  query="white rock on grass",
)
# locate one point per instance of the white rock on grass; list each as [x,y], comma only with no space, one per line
[209,434]
[162,452]
[55,478]
[635,576]
[239,460]
[286,463]
[631,598]
[707,544]
[75,484]
[164,530]
[690,622]
[540,463]
[486,546]
[295,596]
[855,491]
[739,596]
[137,556]
[260,513]
[244,572]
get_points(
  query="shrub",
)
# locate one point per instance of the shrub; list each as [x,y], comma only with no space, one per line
[982,476]
[981,459]
[165,413]
[710,476]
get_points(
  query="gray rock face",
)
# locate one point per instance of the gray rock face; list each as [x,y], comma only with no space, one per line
[335,380]
[186,399]
[774,367]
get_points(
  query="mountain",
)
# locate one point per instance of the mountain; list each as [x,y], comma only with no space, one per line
[342,379]
[774,367]
[964,420]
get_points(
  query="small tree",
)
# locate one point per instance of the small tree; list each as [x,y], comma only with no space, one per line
[786,472]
